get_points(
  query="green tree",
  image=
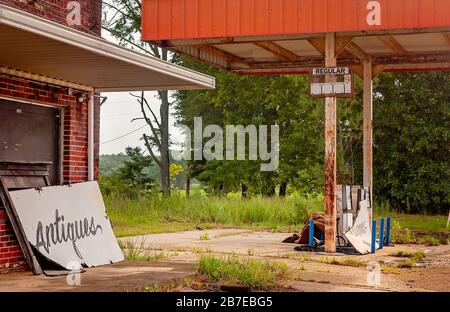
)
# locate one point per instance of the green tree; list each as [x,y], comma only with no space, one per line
[111,163]
[264,100]
[132,178]
[411,136]
[123,21]
[412,141]
[350,138]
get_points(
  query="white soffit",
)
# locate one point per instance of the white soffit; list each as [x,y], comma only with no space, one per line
[372,45]
[299,47]
[247,50]
[38,46]
[423,42]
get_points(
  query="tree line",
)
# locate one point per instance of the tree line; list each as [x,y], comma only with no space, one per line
[411,136]
[411,129]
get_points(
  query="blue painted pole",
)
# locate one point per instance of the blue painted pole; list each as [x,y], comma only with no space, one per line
[388,231]
[311,233]
[374,235]
[381,233]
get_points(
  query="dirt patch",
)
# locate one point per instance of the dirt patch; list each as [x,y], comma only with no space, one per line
[431,278]
[441,236]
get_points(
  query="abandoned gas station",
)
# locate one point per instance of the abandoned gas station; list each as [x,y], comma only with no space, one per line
[51,76]
[254,37]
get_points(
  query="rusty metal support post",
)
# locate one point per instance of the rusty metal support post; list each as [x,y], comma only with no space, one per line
[330,152]
[367,132]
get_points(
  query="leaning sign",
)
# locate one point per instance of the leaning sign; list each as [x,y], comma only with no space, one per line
[68,225]
[332,81]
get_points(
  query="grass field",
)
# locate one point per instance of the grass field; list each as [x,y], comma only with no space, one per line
[156,215]
[419,222]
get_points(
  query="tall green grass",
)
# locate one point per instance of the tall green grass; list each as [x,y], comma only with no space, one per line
[153,214]
[251,273]
[431,223]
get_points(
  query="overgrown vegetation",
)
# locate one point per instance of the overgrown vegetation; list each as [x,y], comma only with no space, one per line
[154,214]
[411,259]
[412,122]
[135,250]
[236,271]
[131,179]
[352,262]
[419,229]
[417,255]
[151,213]
[407,264]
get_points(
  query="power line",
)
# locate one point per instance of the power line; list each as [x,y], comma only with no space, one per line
[120,115]
[123,136]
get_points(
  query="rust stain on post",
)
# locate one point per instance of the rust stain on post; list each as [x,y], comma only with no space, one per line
[368,132]
[330,152]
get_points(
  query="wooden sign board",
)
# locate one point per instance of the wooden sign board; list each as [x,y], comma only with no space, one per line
[332,82]
[68,224]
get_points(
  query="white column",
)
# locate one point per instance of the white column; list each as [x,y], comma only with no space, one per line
[91,144]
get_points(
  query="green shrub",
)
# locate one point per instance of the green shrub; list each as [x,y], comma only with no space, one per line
[130,180]
[407,264]
[430,241]
[416,256]
[398,235]
[234,271]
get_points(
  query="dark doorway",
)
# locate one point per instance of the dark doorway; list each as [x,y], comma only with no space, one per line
[30,133]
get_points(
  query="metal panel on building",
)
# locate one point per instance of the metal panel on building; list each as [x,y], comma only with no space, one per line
[260,37]
[30,133]
[183,19]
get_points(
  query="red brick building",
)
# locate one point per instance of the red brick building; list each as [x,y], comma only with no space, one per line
[51,76]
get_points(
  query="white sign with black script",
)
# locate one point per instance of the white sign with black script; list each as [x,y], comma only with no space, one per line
[68,224]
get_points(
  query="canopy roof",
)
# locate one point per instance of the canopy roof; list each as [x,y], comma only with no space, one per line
[31,45]
[287,36]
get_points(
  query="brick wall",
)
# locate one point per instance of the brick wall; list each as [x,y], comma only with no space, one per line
[75,126]
[75,147]
[11,258]
[56,10]
[76,141]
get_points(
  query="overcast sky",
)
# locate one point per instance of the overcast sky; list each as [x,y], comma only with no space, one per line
[116,129]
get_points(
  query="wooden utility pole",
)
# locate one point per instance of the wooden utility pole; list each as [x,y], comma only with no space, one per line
[367,125]
[330,151]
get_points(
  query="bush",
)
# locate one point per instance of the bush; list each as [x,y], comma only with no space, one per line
[130,180]
[243,272]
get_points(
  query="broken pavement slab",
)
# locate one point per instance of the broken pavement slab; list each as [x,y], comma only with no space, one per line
[121,277]
[219,240]
[308,271]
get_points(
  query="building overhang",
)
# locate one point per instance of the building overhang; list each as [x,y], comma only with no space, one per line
[276,37]
[33,47]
